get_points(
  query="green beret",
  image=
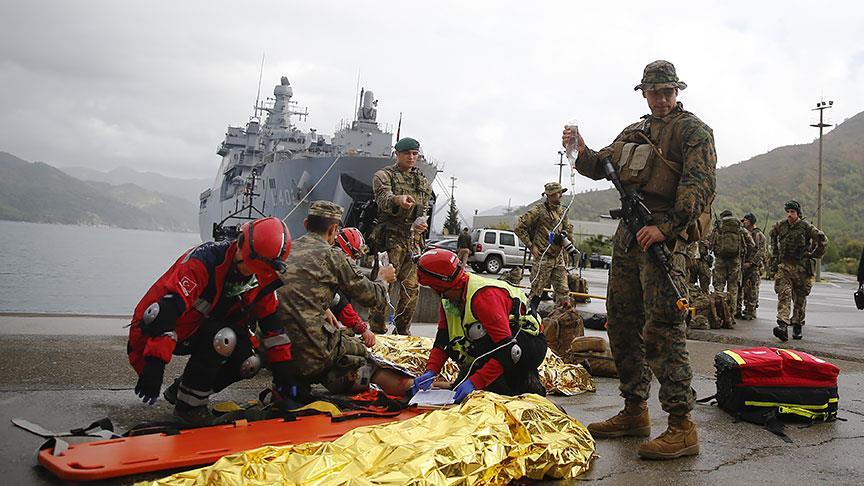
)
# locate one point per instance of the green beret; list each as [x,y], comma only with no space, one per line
[750,217]
[405,144]
[326,209]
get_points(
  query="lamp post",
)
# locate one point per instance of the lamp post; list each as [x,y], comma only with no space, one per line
[821,106]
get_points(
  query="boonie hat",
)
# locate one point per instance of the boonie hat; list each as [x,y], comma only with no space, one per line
[659,75]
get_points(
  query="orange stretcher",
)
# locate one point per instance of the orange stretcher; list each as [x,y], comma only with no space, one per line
[125,456]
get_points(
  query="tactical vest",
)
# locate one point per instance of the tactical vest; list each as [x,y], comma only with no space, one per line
[464,329]
[649,160]
[793,240]
[393,227]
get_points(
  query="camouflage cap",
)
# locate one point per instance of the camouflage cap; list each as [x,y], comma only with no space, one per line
[659,75]
[726,213]
[326,209]
[552,188]
[750,217]
[405,144]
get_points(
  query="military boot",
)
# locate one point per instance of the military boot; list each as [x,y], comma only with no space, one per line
[680,439]
[780,331]
[170,393]
[796,331]
[632,421]
[199,416]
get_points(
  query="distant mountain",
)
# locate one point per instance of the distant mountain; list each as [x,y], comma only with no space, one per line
[40,193]
[188,189]
[763,183]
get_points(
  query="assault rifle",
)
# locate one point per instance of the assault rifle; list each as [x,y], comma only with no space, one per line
[636,216]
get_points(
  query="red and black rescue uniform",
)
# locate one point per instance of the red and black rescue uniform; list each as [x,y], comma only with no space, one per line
[492,306]
[193,308]
[344,311]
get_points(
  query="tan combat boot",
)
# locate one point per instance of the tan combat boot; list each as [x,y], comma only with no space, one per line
[679,439]
[632,421]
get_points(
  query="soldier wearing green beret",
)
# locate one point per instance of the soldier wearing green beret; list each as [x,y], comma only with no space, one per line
[669,158]
[322,353]
[402,193]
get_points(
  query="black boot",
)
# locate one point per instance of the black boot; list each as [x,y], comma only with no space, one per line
[780,331]
[796,331]
[535,303]
[170,393]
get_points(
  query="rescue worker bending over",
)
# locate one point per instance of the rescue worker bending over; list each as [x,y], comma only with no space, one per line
[206,305]
[485,327]
[322,353]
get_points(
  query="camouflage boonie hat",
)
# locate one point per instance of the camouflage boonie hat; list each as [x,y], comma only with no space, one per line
[326,209]
[552,187]
[405,144]
[659,75]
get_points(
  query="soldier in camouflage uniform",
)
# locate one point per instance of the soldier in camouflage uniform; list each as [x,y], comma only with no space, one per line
[795,244]
[700,264]
[751,272]
[542,229]
[402,193]
[728,261]
[321,352]
[669,157]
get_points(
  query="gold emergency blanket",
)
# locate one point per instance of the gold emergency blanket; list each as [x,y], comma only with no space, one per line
[411,353]
[489,439]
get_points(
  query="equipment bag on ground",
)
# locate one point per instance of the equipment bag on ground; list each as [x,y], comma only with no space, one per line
[761,384]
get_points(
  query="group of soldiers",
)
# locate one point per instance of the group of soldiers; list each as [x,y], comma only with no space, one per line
[298,294]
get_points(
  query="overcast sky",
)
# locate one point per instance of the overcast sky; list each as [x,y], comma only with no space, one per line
[485,86]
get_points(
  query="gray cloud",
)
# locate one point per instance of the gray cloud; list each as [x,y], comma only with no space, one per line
[485,86]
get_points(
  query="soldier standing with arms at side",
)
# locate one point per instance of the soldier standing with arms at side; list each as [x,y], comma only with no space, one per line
[675,173]
[402,193]
[795,244]
[543,229]
[320,352]
[700,270]
[751,272]
[731,243]
[463,245]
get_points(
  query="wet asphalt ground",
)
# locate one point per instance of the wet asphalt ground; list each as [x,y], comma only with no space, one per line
[67,371]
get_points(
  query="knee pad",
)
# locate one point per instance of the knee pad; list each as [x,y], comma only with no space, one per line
[250,366]
[225,341]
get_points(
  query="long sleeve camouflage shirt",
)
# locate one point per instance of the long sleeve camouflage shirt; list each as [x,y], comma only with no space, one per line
[691,145]
[394,222]
[312,275]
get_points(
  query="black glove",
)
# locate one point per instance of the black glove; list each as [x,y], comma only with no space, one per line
[283,380]
[150,380]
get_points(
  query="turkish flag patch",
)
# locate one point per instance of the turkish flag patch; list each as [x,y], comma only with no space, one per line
[187,285]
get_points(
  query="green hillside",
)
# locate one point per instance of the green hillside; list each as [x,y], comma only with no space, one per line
[38,192]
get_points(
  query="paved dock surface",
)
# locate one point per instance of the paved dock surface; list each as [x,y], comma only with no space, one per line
[66,371]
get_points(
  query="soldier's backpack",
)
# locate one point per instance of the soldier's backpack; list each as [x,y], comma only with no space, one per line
[762,385]
[578,284]
[728,242]
[716,307]
[594,352]
[561,326]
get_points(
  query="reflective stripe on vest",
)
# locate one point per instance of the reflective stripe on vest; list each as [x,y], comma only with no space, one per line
[459,320]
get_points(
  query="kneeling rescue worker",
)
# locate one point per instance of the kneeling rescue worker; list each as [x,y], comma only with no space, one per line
[485,327]
[206,306]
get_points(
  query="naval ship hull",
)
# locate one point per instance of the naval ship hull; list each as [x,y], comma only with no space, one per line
[286,188]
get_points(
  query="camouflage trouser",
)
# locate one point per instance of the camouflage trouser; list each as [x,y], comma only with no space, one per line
[464,253]
[406,281]
[548,270]
[727,276]
[748,297]
[792,285]
[350,355]
[700,272]
[647,331]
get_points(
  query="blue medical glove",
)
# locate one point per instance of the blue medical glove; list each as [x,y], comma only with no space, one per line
[463,390]
[423,382]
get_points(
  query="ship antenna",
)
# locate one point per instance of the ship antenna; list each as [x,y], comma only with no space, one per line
[357,95]
[260,77]
[399,127]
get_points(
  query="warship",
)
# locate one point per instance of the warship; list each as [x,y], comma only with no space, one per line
[277,169]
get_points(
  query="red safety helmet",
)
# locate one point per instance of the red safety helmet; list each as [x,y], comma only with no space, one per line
[440,269]
[264,245]
[351,242]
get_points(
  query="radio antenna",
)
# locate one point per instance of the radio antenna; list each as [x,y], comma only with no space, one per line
[260,77]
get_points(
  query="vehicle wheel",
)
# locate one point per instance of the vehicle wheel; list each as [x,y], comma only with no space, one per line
[494,264]
[477,268]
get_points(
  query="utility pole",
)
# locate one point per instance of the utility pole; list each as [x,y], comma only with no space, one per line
[452,187]
[821,106]
[560,164]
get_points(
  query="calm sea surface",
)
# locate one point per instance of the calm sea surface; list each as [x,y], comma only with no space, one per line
[79,269]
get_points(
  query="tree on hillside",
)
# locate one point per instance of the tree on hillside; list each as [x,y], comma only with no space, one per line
[452,222]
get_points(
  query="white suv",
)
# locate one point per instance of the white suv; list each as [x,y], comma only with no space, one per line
[495,249]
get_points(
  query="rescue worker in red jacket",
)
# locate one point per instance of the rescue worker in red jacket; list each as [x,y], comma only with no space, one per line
[206,306]
[485,327]
[350,240]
